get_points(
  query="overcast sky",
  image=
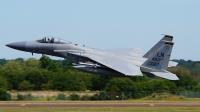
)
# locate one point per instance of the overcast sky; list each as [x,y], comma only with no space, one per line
[102,24]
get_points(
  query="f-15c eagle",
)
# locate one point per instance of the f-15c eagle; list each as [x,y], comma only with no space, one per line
[108,62]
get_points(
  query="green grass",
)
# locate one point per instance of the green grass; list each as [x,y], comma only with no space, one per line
[99,109]
[169,99]
[106,101]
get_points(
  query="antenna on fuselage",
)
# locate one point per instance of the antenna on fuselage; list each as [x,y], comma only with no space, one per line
[32,52]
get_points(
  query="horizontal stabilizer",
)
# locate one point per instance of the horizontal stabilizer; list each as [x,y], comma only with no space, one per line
[166,75]
[172,64]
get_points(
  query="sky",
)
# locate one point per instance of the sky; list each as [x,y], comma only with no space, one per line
[102,24]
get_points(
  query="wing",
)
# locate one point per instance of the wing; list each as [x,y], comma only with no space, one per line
[112,62]
[119,65]
[127,51]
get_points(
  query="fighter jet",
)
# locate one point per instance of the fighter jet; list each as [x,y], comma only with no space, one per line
[107,62]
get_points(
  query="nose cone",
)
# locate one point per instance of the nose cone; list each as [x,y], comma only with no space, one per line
[18,45]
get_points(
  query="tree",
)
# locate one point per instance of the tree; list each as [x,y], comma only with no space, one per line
[67,81]
[139,78]
[21,60]
[47,63]
[53,67]
[85,77]
[25,85]
[13,71]
[3,82]
[160,85]
[14,66]
[120,84]
[187,82]
[36,78]
[4,95]
[3,62]
[32,63]
[67,65]
[99,82]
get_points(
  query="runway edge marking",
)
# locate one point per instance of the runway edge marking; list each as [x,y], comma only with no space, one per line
[23,104]
[151,104]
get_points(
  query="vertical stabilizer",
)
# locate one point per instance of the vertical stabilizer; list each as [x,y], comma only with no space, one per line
[157,63]
[160,58]
[158,45]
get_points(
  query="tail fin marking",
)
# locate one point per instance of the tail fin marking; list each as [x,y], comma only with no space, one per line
[157,63]
[159,59]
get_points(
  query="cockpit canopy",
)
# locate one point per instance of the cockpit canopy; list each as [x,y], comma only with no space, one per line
[52,40]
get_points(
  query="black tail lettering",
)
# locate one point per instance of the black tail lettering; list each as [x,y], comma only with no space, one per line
[160,54]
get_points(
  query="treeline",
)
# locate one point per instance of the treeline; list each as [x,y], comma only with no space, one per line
[47,74]
[187,67]
[193,66]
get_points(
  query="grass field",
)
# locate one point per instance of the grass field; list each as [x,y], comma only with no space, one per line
[169,99]
[99,109]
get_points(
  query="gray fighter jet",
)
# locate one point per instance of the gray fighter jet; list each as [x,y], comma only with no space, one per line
[108,62]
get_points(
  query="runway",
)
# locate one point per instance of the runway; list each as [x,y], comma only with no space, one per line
[97,104]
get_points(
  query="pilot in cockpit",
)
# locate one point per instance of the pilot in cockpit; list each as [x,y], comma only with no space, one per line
[44,40]
[48,40]
[52,40]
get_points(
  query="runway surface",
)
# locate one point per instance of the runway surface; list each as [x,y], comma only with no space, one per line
[97,104]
